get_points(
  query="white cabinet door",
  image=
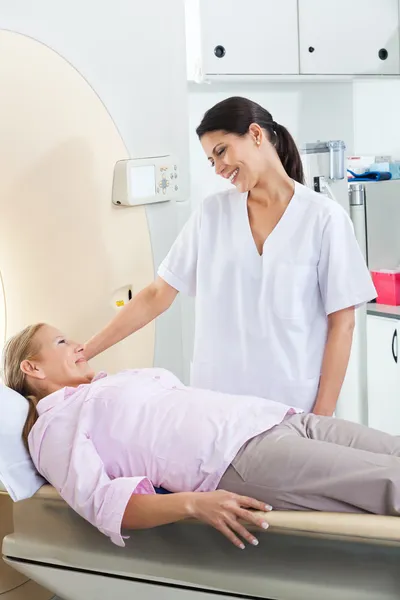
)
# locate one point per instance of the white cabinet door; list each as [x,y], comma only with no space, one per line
[345,37]
[383,374]
[249,37]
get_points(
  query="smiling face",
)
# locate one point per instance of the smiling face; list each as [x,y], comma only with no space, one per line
[243,159]
[59,362]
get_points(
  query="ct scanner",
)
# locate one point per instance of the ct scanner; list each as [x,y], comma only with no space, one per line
[85,86]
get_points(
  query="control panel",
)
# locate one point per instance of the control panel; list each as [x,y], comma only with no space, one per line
[146,181]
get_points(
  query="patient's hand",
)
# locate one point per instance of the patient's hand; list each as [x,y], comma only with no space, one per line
[223,510]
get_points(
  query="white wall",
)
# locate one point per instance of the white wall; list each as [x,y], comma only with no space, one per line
[377,116]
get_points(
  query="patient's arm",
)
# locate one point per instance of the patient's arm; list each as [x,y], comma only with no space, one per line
[141,310]
[109,504]
[81,479]
[220,509]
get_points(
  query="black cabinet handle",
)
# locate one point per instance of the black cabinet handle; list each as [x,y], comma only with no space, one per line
[394,339]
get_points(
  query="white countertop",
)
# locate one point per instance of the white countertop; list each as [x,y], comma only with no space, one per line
[383,310]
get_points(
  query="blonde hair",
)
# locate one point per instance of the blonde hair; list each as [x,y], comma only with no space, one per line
[22,346]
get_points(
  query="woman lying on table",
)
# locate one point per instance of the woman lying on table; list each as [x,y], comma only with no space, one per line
[104,441]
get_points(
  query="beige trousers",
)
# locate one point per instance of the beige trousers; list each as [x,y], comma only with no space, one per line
[309,462]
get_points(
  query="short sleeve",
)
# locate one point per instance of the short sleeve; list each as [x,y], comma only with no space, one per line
[344,278]
[179,268]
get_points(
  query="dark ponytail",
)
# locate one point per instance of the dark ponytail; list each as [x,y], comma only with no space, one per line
[235,115]
[289,154]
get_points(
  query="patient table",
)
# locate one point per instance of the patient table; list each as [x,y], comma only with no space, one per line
[15,585]
[302,555]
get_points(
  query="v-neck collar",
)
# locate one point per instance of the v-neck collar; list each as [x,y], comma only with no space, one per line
[279,235]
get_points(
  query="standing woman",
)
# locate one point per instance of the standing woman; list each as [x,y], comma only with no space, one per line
[275,267]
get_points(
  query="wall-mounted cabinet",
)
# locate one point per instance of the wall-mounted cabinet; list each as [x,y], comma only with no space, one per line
[249,38]
[349,38]
[299,37]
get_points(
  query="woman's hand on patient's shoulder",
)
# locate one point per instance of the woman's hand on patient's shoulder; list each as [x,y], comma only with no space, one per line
[86,352]
[224,510]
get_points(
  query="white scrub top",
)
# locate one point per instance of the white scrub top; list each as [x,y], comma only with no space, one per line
[261,321]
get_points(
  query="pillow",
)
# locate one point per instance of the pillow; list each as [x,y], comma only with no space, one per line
[17,471]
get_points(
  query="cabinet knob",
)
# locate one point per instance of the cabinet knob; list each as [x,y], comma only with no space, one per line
[383,54]
[219,51]
[311,49]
